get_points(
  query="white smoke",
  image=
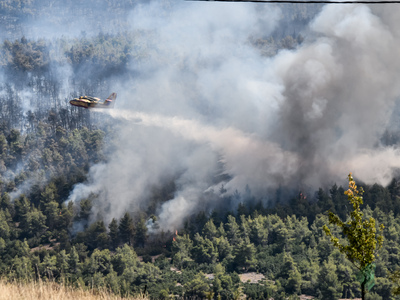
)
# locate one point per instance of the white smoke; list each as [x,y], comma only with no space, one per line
[234,148]
[207,99]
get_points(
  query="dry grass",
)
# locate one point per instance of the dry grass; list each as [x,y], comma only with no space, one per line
[53,291]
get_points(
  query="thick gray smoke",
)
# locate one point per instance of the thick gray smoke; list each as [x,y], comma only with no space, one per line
[207,104]
[64,19]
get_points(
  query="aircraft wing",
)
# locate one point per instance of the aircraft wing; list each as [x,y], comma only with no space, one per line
[94,102]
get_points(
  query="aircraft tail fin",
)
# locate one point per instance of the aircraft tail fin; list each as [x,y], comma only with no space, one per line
[110,101]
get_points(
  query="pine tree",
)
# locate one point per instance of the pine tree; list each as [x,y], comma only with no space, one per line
[210,230]
[290,274]
[141,233]
[126,229]
[114,235]
[328,282]
[62,263]
[73,262]
[245,258]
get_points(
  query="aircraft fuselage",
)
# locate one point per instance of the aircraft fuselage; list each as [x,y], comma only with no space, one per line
[93,102]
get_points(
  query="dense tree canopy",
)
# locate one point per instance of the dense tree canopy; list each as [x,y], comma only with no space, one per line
[47,146]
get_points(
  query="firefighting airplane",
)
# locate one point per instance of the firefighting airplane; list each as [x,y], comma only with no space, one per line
[93,102]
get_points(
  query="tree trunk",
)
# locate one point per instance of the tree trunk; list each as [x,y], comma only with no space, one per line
[363,290]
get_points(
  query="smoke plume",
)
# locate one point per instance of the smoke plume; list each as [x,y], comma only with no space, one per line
[206,109]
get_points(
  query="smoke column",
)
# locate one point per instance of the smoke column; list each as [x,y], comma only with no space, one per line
[206,102]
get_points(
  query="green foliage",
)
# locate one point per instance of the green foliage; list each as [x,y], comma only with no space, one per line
[245,256]
[361,235]
[124,260]
[181,249]
[126,229]
[198,287]
[140,233]
[113,233]
[286,243]
[62,263]
[96,236]
[329,285]
[24,55]
[257,291]
[395,278]
[4,228]
[204,250]
[210,230]
[50,149]
[74,263]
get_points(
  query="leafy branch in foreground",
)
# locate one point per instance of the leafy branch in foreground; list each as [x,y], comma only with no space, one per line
[363,242]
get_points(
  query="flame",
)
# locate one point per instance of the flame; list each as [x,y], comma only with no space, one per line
[176,233]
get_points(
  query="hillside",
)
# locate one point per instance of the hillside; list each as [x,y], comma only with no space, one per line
[232,134]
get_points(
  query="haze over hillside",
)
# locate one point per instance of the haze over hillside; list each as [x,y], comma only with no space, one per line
[201,104]
[207,98]
[295,119]
[233,131]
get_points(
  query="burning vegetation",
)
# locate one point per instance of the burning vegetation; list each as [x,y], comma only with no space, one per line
[234,126]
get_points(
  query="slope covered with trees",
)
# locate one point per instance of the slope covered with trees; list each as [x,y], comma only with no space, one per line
[47,146]
[284,242]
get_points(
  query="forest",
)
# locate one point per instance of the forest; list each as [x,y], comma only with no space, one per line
[284,242]
[258,249]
